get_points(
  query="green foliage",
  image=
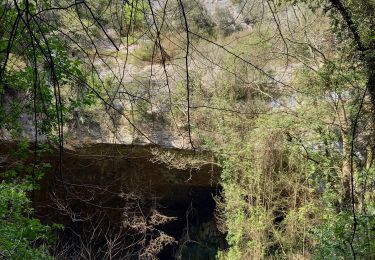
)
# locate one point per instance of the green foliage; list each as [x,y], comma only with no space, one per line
[21,235]
[335,235]
[262,214]
[198,18]
[285,175]
[283,188]
[146,51]
[226,22]
[34,79]
[135,12]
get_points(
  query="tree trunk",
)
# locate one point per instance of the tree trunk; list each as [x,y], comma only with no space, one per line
[346,172]
[370,61]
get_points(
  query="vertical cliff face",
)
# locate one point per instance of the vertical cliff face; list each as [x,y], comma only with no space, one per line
[126,195]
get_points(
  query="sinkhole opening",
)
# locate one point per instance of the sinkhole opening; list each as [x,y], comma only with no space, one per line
[118,202]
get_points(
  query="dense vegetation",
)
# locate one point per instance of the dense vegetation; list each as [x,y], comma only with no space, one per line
[281,92]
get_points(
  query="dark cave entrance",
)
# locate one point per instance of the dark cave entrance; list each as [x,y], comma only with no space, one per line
[114,193]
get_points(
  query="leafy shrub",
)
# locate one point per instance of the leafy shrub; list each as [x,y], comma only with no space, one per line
[335,234]
[145,51]
[226,22]
[21,235]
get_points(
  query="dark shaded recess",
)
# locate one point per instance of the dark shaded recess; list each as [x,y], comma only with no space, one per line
[89,195]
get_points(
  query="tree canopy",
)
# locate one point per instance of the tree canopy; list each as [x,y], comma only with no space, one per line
[280,92]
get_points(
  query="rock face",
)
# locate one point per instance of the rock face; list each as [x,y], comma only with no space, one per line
[140,95]
[115,185]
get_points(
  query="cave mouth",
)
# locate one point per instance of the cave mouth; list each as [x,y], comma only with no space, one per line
[115,202]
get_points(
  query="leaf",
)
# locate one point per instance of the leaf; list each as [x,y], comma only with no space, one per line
[3,45]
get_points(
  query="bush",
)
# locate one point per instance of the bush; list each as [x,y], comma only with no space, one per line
[21,235]
[226,23]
